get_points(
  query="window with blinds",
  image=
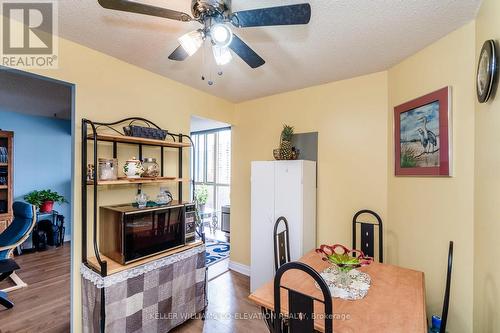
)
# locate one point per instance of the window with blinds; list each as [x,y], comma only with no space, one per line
[212,167]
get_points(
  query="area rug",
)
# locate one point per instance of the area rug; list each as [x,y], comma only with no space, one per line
[216,251]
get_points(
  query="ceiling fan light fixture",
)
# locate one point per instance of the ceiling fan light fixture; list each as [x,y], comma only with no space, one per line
[220,13]
[222,55]
[191,41]
[221,34]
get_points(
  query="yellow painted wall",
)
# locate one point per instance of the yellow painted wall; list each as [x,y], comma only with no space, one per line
[425,213]
[108,89]
[355,170]
[354,119]
[487,199]
[351,118]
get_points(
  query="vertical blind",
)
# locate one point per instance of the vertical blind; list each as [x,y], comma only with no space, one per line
[213,165]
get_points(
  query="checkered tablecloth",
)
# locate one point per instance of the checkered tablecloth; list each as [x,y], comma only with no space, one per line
[154,297]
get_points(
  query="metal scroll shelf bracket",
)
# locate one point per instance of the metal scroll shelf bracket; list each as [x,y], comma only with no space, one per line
[94,127]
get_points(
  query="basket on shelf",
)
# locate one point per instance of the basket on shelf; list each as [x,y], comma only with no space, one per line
[145,132]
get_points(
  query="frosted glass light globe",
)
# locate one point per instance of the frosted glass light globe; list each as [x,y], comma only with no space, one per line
[221,34]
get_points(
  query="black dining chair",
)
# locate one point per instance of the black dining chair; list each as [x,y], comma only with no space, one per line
[367,231]
[300,317]
[281,243]
[446,303]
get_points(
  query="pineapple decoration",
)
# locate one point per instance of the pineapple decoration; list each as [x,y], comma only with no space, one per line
[286,151]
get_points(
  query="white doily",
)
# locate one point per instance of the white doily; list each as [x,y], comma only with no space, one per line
[107,281]
[359,283]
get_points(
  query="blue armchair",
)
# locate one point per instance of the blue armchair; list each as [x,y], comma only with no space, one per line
[17,232]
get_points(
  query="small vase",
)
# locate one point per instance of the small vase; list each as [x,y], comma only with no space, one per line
[344,279]
[142,200]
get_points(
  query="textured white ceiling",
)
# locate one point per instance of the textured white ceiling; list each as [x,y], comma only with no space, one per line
[345,38]
[203,124]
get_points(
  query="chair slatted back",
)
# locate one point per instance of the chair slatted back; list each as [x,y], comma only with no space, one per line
[367,234]
[300,317]
[281,243]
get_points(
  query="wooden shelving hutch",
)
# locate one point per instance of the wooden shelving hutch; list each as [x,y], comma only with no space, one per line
[6,178]
[98,262]
[124,181]
[139,141]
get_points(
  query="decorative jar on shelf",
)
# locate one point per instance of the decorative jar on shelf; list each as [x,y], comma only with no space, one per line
[108,169]
[141,199]
[151,168]
[164,197]
[133,168]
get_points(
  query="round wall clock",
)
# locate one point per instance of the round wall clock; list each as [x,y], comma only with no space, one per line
[486,71]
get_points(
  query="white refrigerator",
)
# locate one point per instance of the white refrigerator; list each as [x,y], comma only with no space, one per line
[281,188]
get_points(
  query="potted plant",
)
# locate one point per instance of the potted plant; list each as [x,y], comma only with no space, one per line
[44,200]
[201,197]
[286,151]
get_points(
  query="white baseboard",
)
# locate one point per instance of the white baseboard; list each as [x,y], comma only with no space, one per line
[240,268]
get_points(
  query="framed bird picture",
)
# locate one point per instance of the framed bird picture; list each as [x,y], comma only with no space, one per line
[423,136]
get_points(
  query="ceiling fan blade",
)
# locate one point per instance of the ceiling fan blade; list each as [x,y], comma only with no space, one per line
[246,53]
[139,8]
[179,54]
[282,15]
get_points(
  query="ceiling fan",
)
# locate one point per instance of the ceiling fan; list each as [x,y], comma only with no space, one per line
[216,16]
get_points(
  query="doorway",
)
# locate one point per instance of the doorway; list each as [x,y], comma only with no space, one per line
[38,114]
[212,176]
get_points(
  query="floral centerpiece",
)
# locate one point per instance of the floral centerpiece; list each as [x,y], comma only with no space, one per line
[344,260]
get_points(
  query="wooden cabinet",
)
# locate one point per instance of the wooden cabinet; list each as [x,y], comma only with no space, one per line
[6,178]
[4,224]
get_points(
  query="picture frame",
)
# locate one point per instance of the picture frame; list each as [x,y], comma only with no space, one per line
[422,135]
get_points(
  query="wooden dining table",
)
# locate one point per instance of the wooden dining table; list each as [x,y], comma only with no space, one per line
[395,301]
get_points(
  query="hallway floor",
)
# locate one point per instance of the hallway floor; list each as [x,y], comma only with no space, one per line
[44,305]
[229,309]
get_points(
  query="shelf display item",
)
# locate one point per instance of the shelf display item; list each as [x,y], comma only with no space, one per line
[151,168]
[108,169]
[133,168]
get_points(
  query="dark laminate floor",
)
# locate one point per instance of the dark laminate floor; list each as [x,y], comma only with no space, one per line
[43,306]
[228,305]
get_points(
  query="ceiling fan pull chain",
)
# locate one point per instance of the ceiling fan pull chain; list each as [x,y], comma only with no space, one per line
[203,61]
[210,70]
